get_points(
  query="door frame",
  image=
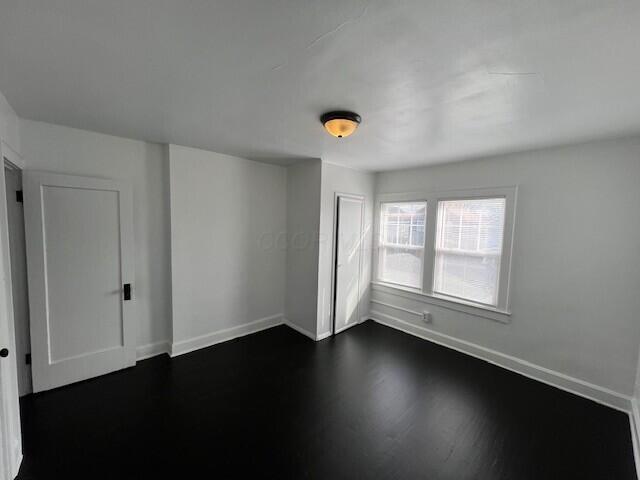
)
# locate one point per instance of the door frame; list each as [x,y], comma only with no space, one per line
[20,292]
[11,434]
[334,255]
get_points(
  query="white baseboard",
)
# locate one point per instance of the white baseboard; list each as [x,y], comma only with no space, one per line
[319,337]
[305,332]
[17,461]
[634,422]
[224,335]
[151,350]
[322,336]
[299,329]
[556,379]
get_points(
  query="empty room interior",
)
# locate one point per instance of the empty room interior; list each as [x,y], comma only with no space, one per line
[304,239]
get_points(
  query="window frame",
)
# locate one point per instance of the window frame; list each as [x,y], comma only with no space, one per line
[408,247]
[509,193]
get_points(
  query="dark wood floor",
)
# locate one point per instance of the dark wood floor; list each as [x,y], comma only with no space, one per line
[371,403]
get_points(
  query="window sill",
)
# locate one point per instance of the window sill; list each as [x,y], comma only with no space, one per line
[470,308]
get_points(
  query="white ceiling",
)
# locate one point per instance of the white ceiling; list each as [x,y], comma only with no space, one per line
[433,80]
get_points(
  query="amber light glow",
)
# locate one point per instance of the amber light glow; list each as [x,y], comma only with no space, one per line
[340,124]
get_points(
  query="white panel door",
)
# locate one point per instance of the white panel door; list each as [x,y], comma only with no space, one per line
[80,267]
[350,214]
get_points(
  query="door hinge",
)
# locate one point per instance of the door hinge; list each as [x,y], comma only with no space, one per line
[27,359]
[19,196]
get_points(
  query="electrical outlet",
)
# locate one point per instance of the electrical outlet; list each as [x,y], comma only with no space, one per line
[426,317]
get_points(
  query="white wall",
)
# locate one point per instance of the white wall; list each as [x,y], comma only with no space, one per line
[303,226]
[575,277]
[77,152]
[9,125]
[336,179]
[636,386]
[228,228]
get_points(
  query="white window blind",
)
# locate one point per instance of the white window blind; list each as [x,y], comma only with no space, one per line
[468,246]
[401,245]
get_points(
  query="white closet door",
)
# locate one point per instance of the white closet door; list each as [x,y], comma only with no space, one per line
[80,266]
[348,261]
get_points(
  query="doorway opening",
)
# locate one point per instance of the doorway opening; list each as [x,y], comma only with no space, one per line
[19,285]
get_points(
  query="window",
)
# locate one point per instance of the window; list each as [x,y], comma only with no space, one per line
[401,245]
[451,248]
[468,249]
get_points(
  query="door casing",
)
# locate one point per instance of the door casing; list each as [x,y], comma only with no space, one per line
[10,430]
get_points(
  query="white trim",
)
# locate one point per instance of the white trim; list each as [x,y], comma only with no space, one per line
[457,306]
[345,327]
[12,156]
[305,332]
[322,336]
[299,329]
[401,309]
[449,194]
[556,379]
[224,335]
[17,462]
[152,349]
[634,422]
[10,426]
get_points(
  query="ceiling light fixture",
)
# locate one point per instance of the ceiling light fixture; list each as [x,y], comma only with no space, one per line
[340,124]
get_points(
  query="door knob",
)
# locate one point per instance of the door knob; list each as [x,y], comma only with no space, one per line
[4,352]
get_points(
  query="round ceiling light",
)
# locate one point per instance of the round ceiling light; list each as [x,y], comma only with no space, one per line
[340,124]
